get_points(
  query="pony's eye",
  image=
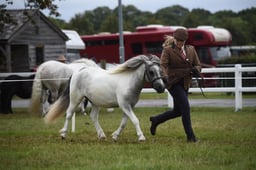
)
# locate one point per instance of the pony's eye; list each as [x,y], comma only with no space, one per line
[151,73]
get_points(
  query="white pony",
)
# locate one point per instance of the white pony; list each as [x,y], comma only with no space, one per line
[119,86]
[51,79]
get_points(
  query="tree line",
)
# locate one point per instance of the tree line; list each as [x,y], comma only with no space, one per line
[103,19]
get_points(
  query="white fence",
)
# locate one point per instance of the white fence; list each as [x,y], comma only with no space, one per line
[237,89]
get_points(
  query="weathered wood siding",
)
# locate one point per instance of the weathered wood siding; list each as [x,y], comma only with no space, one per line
[39,34]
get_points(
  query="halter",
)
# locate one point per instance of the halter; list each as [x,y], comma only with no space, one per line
[147,74]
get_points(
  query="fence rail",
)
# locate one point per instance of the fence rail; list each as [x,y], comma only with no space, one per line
[3,75]
[237,89]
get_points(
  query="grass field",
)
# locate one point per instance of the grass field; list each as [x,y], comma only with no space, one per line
[227,141]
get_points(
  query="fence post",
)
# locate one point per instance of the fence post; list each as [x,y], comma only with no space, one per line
[170,100]
[238,87]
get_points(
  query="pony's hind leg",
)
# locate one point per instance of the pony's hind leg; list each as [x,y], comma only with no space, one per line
[45,104]
[120,128]
[94,116]
[83,106]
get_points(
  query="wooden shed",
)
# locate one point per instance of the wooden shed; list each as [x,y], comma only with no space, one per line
[31,41]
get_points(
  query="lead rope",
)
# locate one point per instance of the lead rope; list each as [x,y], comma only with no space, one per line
[195,74]
[200,83]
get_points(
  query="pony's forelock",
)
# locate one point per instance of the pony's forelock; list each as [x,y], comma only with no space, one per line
[155,59]
[134,62]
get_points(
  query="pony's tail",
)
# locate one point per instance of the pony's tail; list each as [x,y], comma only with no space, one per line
[36,93]
[59,107]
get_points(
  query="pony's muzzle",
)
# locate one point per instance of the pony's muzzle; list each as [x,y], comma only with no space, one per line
[159,86]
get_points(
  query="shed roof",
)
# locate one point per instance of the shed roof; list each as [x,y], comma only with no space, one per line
[74,42]
[20,19]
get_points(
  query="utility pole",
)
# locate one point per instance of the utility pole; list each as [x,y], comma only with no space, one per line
[121,36]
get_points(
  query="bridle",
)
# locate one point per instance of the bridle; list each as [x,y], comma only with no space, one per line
[147,74]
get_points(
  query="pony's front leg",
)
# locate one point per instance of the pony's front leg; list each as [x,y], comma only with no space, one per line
[94,116]
[120,128]
[129,112]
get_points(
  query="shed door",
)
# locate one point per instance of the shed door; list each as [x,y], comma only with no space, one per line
[20,60]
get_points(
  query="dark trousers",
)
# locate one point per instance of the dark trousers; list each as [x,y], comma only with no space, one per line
[181,108]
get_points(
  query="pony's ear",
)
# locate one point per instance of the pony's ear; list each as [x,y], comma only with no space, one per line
[136,61]
[154,59]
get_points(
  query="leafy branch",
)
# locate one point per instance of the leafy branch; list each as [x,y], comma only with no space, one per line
[5,18]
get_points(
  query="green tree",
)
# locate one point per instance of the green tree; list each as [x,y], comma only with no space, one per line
[173,15]
[232,22]
[236,26]
[221,16]
[91,20]
[249,15]
[5,18]
[60,23]
[197,17]
[132,17]
[98,15]
[110,24]
[102,19]
[42,5]
[81,24]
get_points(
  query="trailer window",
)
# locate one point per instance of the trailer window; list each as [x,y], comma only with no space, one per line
[204,55]
[110,42]
[219,53]
[198,37]
[154,47]
[136,48]
[93,43]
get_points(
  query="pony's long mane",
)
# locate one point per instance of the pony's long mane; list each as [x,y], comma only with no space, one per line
[86,61]
[133,63]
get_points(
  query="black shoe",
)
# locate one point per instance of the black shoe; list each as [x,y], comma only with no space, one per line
[192,139]
[153,126]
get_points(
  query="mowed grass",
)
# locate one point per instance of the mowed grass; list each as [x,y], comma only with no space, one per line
[227,141]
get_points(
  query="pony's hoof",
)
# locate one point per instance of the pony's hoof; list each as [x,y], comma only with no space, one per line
[142,139]
[63,134]
[102,137]
[114,137]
